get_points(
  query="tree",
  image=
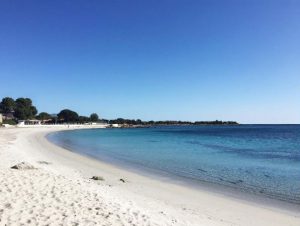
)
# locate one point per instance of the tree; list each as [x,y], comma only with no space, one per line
[94,117]
[24,109]
[44,116]
[68,116]
[139,122]
[7,105]
[34,111]
[83,119]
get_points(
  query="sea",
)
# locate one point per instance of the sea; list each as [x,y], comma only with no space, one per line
[255,159]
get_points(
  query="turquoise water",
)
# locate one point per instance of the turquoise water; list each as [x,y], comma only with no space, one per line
[262,159]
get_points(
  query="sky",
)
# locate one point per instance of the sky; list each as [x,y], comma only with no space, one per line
[155,59]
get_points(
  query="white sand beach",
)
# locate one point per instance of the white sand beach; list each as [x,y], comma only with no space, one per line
[59,191]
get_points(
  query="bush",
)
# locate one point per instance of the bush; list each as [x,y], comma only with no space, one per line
[94,117]
[9,121]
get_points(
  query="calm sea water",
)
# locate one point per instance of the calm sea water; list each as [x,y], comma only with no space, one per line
[262,159]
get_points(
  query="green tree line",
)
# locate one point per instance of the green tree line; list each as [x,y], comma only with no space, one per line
[23,109]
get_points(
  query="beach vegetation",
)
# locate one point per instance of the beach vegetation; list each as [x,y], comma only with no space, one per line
[9,122]
[24,109]
[67,115]
[94,117]
[104,121]
[139,122]
[83,119]
[7,105]
[44,116]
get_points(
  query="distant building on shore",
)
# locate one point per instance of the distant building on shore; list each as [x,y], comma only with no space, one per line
[1,119]
[29,122]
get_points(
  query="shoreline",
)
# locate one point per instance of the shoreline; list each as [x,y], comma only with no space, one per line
[162,176]
[247,195]
[180,205]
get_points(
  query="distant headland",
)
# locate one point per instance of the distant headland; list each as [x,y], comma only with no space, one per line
[140,123]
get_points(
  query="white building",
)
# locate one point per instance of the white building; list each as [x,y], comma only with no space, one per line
[29,122]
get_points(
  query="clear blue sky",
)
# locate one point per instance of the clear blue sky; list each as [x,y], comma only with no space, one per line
[181,60]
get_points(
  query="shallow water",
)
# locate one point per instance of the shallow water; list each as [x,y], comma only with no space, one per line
[261,159]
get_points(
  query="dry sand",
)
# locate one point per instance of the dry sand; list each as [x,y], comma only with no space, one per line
[60,192]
